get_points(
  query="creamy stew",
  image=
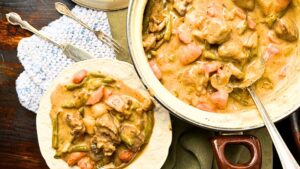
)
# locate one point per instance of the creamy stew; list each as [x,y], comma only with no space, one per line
[199,48]
[98,120]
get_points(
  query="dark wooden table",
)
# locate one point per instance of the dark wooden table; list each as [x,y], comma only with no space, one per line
[18,138]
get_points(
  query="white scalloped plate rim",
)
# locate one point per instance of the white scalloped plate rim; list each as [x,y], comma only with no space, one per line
[103,4]
[156,151]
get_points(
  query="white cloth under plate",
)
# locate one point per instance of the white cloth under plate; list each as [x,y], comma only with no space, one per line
[43,61]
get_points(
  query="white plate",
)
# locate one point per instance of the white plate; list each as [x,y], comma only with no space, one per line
[103,4]
[156,151]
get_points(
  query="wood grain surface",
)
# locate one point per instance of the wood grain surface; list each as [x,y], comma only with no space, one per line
[18,138]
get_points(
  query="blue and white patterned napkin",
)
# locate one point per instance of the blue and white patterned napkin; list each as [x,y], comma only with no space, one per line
[43,61]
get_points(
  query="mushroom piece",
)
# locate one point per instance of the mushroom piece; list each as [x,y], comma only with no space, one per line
[286,29]
[221,79]
[270,7]
[248,5]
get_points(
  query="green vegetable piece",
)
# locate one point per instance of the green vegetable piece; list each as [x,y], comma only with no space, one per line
[108,80]
[72,87]
[119,117]
[134,106]
[55,131]
[78,148]
[97,74]
[169,26]
[153,53]
[57,155]
[81,111]
[149,122]
[210,55]
[159,43]
[69,105]
[241,96]
[102,162]
[270,19]
[94,83]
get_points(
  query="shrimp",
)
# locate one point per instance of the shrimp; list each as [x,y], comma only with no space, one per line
[190,53]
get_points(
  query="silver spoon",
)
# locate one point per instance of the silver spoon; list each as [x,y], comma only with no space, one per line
[254,71]
[69,50]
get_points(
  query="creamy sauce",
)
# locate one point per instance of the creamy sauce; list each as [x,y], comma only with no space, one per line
[98,130]
[233,34]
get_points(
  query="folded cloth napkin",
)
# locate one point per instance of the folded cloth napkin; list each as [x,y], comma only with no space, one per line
[43,61]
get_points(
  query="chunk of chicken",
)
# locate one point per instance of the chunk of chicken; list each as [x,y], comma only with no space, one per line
[101,144]
[108,121]
[75,122]
[117,102]
[132,136]
[149,41]
[232,49]
[286,29]
[213,30]
[195,77]
[250,40]
[106,135]
[181,6]
[157,20]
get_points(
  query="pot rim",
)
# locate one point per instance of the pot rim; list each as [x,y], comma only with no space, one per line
[177,113]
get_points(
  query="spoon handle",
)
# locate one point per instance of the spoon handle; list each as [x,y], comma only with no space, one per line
[286,158]
[64,10]
[15,19]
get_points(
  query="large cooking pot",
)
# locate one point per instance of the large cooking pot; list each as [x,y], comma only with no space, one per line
[280,103]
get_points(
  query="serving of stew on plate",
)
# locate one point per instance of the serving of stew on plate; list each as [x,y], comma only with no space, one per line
[97,120]
[199,49]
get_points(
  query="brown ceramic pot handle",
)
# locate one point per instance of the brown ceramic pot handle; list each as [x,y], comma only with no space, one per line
[252,143]
[295,122]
